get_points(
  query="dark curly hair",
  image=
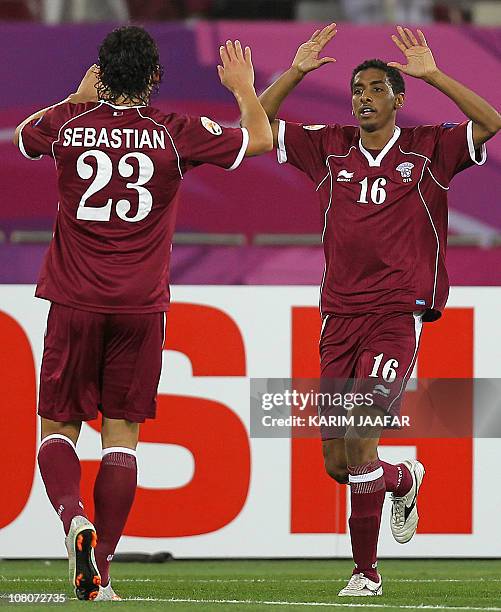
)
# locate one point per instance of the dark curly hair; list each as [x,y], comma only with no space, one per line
[129,66]
[394,76]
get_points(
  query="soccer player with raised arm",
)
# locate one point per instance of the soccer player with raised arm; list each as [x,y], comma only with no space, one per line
[383,192]
[119,165]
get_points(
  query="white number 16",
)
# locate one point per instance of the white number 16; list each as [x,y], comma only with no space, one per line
[378,193]
[389,372]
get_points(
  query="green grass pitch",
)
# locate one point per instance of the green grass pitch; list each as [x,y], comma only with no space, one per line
[223,586]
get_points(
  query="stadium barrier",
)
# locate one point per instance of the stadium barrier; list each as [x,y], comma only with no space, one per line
[206,488]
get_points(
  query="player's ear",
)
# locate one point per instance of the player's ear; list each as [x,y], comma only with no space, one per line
[156,76]
[399,101]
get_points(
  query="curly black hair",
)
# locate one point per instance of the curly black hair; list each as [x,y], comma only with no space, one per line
[129,66]
[394,76]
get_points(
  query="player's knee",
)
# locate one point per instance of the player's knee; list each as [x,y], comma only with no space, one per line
[338,472]
[70,429]
[119,432]
[359,450]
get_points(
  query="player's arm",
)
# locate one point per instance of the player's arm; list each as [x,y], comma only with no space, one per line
[237,75]
[29,119]
[421,64]
[86,92]
[306,60]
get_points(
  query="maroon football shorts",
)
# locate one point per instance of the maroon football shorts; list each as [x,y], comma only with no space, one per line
[106,362]
[371,353]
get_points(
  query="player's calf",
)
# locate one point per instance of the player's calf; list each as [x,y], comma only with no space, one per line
[60,470]
[114,492]
[335,460]
[337,473]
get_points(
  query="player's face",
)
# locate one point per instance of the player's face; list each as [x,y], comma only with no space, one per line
[373,100]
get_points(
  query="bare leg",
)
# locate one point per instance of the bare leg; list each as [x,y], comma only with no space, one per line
[335,459]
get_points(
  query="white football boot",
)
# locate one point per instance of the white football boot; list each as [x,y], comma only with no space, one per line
[80,543]
[360,586]
[404,514]
[107,594]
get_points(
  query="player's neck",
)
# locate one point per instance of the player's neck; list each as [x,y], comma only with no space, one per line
[128,102]
[377,140]
[122,101]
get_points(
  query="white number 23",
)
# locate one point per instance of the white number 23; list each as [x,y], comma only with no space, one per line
[104,172]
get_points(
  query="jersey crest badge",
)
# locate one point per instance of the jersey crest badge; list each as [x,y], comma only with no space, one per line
[313,127]
[405,170]
[343,176]
[211,126]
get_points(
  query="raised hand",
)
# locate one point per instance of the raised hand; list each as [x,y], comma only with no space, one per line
[237,71]
[86,91]
[420,61]
[307,56]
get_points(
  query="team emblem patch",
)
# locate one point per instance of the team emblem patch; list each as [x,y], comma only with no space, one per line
[313,127]
[405,170]
[211,126]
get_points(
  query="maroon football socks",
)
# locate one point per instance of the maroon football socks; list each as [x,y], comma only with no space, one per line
[367,497]
[397,478]
[60,470]
[114,492]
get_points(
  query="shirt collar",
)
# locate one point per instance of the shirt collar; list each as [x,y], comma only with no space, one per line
[376,162]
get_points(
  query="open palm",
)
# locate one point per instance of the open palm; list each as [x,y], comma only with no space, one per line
[420,60]
[307,56]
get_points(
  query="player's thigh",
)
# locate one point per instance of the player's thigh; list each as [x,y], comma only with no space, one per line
[338,352]
[71,363]
[132,366]
[387,358]
[119,433]
[338,344]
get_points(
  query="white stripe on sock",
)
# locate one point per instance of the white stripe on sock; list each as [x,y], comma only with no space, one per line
[119,449]
[59,437]
[377,473]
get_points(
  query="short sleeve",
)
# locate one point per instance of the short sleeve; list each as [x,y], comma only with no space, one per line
[455,150]
[200,140]
[302,146]
[36,138]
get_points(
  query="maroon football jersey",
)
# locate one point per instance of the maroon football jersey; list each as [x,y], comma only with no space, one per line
[385,212]
[118,171]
